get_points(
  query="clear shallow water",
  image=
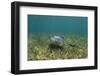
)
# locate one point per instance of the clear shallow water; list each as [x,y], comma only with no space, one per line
[42,28]
[65,25]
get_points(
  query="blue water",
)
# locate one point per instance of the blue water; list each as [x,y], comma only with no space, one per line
[63,24]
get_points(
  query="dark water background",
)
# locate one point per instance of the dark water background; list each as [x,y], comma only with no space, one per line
[61,24]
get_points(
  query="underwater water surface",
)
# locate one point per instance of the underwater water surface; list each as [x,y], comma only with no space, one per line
[42,27]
